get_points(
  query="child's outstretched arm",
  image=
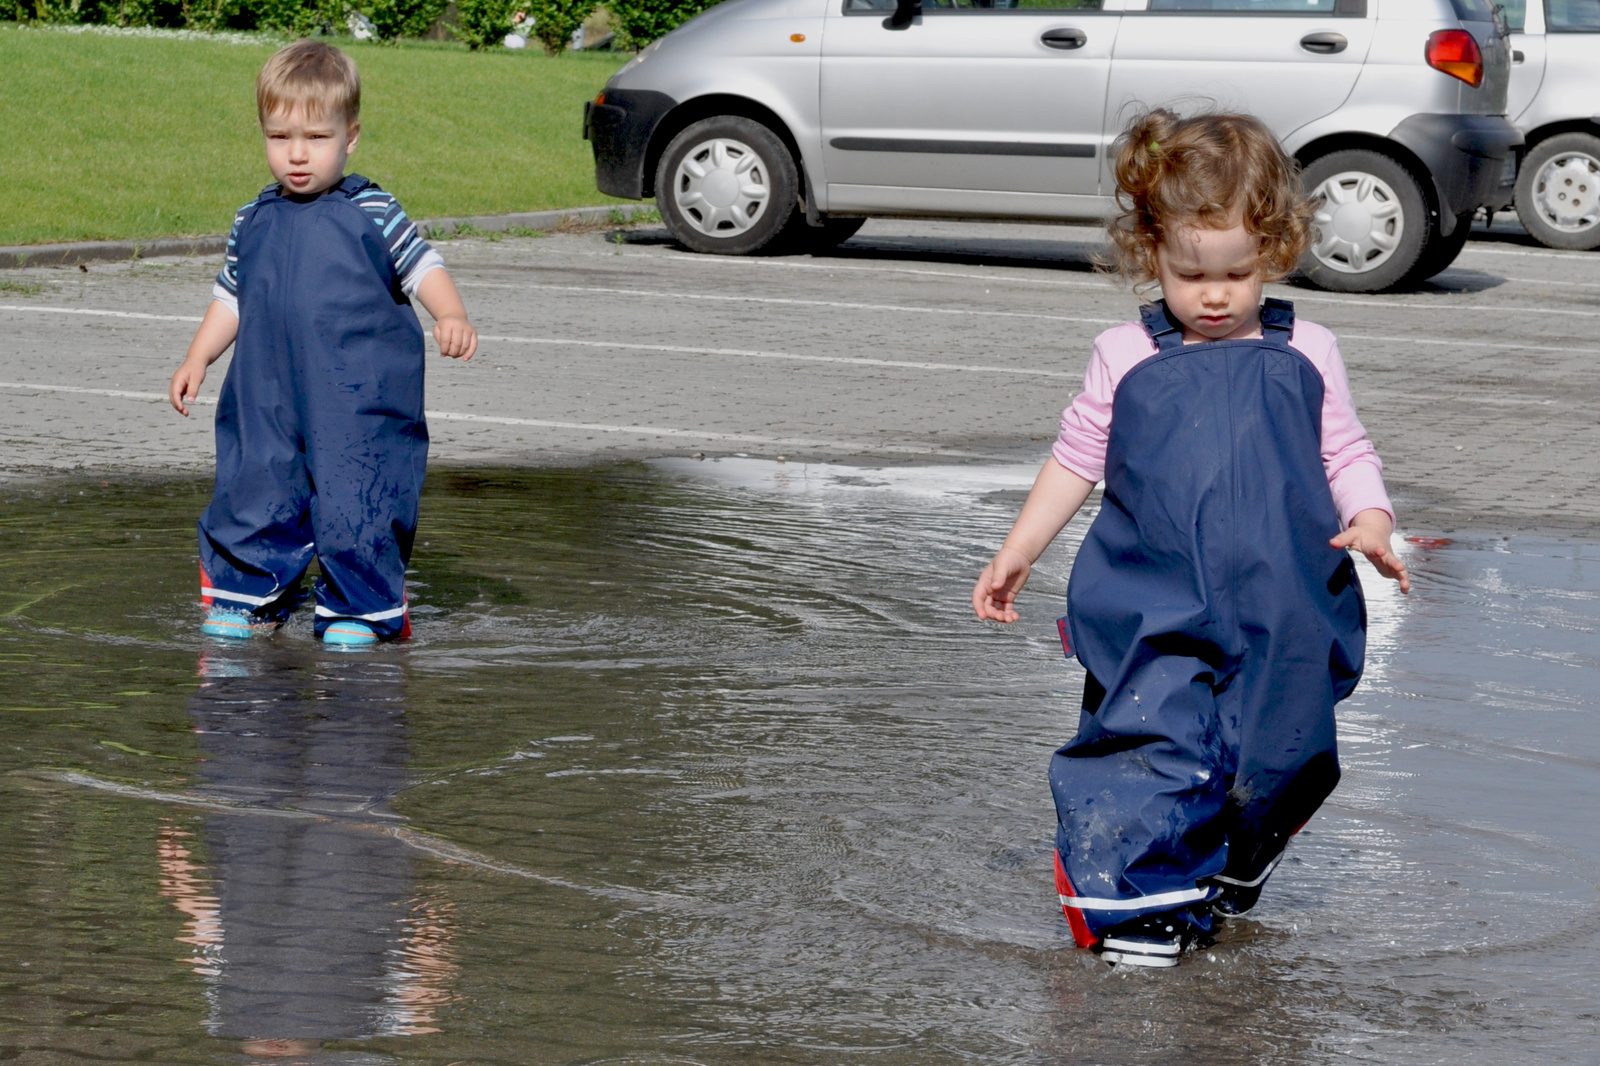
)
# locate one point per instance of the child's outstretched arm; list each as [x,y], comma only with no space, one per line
[1056,496]
[217,331]
[455,334]
[1369,533]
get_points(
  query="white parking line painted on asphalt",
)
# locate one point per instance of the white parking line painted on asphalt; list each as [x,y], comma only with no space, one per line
[1530,253]
[859,447]
[742,353]
[755,354]
[1299,296]
[121,394]
[854,447]
[599,290]
[831,266]
[1495,345]
[46,310]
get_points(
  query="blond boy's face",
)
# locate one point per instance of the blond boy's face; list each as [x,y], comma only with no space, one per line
[307,153]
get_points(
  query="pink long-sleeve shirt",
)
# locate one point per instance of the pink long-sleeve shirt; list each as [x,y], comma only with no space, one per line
[1355,474]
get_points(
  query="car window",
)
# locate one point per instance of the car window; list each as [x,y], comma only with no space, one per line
[1473,10]
[1516,14]
[1248,7]
[1572,16]
[933,7]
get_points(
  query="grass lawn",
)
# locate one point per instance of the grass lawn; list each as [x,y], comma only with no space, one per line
[137,136]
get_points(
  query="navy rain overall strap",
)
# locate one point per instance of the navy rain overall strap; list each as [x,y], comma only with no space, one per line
[1165,330]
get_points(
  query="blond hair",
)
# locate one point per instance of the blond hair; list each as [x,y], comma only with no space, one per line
[310,75]
[1211,171]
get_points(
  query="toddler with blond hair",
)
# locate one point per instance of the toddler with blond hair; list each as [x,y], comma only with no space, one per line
[321,441]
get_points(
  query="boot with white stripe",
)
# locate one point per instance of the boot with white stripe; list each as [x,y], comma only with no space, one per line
[1154,940]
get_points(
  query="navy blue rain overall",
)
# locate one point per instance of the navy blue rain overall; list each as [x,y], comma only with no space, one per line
[321,443]
[1218,629]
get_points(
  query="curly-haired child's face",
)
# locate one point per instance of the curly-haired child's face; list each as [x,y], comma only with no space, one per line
[307,154]
[1211,279]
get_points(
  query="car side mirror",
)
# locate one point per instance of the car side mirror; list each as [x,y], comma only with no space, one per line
[904,12]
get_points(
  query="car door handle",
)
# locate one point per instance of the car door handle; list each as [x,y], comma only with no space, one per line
[1517,56]
[1064,39]
[1325,43]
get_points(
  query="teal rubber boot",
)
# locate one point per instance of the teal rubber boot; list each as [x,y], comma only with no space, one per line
[231,623]
[349,633]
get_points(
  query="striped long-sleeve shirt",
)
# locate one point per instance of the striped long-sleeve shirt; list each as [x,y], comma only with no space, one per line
[412,256]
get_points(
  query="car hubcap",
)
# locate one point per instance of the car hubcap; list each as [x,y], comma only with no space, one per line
[1567,192]
[1358,220]
[722,187]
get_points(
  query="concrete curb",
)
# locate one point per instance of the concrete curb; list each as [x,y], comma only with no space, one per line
[40,255]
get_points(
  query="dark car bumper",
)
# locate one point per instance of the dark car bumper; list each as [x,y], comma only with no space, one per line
[1472,159]
[619,124]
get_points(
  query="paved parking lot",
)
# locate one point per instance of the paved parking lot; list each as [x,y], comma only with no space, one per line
[917,341]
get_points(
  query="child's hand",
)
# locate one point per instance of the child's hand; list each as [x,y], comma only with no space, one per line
[186,384]
[1370,533]
[456,337]
[998,585]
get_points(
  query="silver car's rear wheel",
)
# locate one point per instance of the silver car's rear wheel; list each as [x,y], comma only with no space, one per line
[726,185]
[1369,224]
[1558,191]
[1359,222]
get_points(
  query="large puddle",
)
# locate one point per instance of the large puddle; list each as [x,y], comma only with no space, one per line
[708,762]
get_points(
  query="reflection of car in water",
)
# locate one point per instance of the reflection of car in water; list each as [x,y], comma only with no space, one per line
[772,123]
[1555,102]
[302,915]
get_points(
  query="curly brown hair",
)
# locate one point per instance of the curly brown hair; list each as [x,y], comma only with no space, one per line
[1210,171]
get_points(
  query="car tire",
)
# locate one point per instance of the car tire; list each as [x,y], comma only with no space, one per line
[1558,191]
[727,186]
[802,238]
[1370,226]
[1442,251]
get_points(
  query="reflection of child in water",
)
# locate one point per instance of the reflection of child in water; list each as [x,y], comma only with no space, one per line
[305,921]
[1213,603]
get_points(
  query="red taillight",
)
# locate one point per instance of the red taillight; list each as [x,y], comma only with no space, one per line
[1455,53]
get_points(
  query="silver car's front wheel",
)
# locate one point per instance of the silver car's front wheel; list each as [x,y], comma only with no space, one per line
[1369,222]
[1558,191]
[721,187]
[1359,222]
[726,185]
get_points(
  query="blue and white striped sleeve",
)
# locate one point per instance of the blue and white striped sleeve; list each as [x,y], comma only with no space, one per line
[412,257]
[226,289]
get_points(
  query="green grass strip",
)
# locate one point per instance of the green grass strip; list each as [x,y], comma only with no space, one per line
[133,137]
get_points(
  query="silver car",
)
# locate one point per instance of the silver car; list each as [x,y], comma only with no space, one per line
[785,123]
[1555,102]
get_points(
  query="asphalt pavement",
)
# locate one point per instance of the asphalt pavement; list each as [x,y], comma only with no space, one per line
[924,342]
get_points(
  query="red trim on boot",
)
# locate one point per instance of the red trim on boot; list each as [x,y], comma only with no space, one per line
[1080,928]
[205,583]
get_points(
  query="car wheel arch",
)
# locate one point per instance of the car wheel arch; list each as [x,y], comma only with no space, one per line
[714,105]
[1310,153]
[1531,138]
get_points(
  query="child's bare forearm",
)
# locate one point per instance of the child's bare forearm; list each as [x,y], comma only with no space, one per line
[1056,496]
[218,330]
[439,295]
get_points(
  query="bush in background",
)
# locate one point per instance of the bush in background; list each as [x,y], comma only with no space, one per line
[394,19]
[483,23]
[554,21]
[638,22]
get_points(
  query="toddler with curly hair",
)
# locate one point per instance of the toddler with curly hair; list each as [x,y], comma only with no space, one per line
[1213,604]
